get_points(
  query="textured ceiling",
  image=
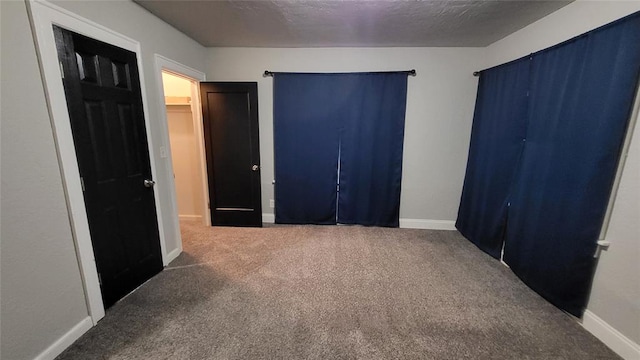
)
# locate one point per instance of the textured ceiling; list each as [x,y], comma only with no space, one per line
[361,23]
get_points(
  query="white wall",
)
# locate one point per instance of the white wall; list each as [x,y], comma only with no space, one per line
[42,292]
[440,106]
[175,85]
[155,37]
[186,165]
[184,150]
[615,296]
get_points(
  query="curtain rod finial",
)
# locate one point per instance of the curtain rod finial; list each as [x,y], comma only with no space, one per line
[476,73]
[412,72]
[267,73]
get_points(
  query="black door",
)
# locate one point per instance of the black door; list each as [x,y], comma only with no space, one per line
[230,114]
[103,94]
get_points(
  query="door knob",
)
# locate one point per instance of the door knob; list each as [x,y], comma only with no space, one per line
[255,168]
[149,183]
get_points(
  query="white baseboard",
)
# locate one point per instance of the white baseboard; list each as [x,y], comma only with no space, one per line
[190,217]
[427,224]
[404,223]
[611,337]
[173,255]
[268,218]
[66,340]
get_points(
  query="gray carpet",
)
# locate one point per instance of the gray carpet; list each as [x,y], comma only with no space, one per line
[334,292]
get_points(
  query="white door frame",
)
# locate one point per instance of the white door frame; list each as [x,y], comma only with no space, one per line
[193,75]
[43,16]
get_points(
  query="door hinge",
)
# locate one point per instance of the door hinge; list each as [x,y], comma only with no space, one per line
[99,279]
[61,69]
[82,183]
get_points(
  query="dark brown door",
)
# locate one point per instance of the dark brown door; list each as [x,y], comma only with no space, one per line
[103,94]
[230,114]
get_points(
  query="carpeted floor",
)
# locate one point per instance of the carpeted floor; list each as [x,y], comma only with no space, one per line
[334,292]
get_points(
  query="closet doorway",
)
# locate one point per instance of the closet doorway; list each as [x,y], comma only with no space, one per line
[182,104]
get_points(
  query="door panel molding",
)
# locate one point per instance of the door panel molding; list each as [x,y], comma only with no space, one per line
[43,15]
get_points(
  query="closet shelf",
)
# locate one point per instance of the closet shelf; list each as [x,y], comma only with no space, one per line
[177,100]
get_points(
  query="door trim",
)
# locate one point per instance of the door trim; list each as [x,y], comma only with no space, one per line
[43,15]
[164,63]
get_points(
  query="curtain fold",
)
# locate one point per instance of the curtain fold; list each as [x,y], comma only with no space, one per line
[371,144]
[351,124]
[581,98]
[496,145]
[547,200]
[307,114]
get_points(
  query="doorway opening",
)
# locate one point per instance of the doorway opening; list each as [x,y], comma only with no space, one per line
[182,104]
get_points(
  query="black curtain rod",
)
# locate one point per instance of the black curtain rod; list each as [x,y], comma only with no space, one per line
[411,72]
[476,73]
